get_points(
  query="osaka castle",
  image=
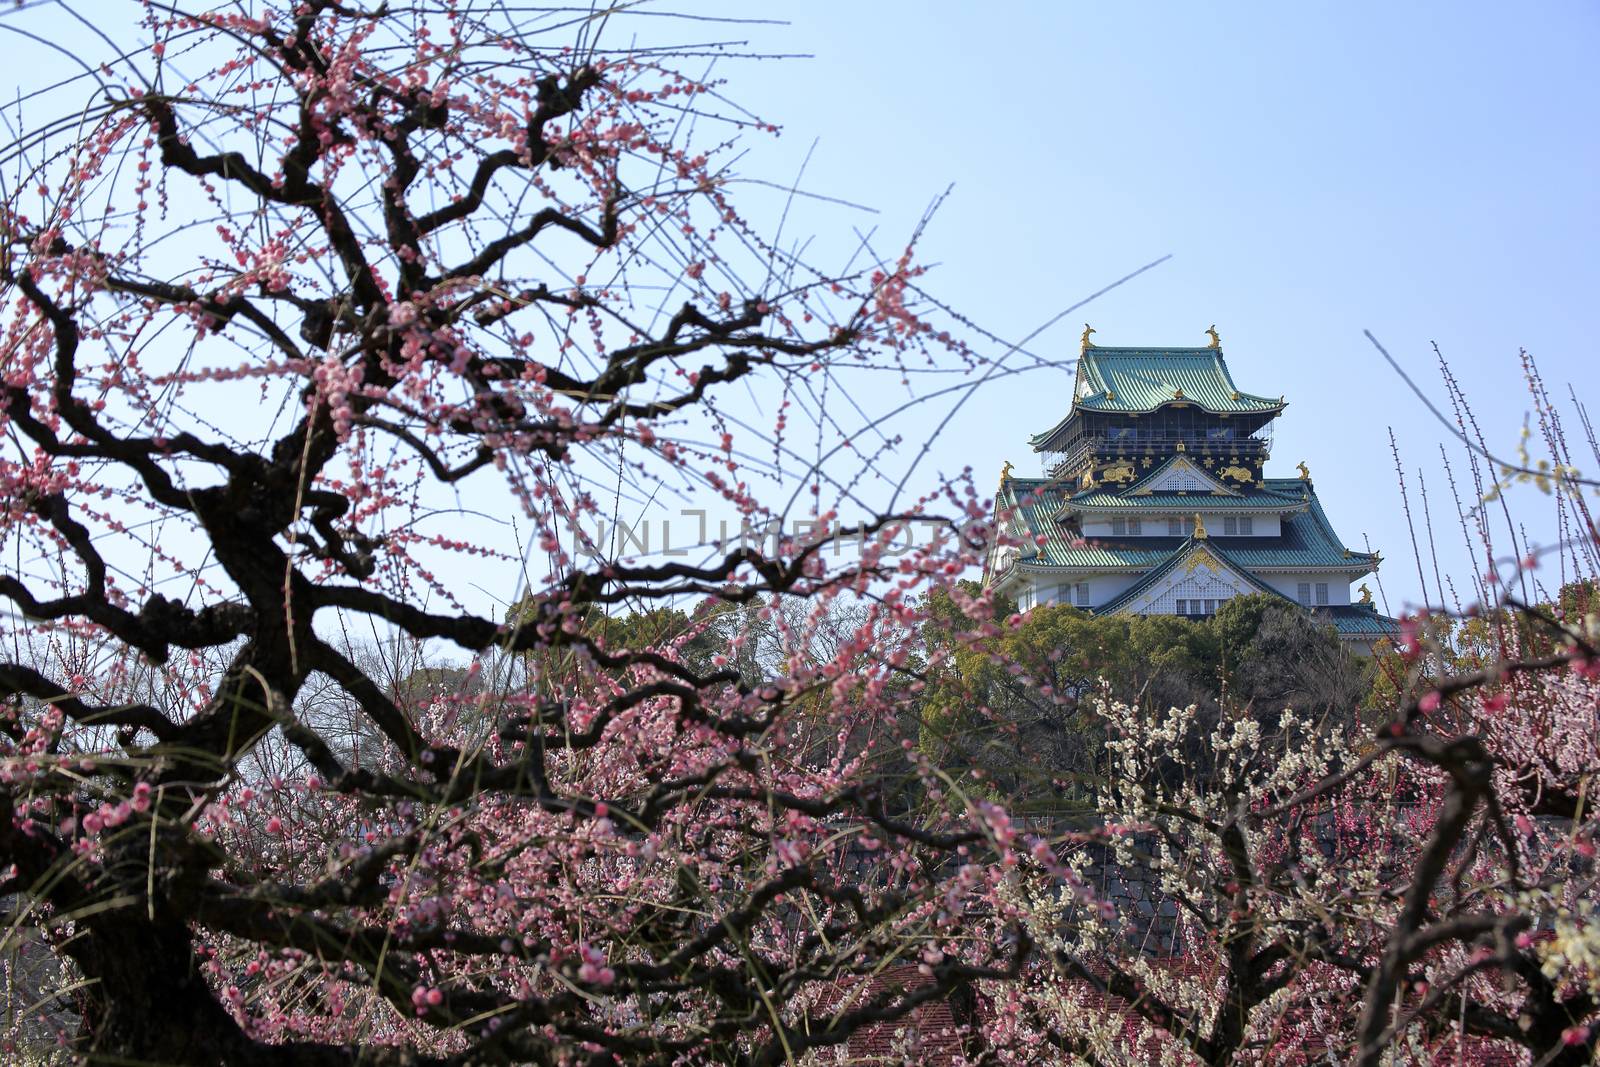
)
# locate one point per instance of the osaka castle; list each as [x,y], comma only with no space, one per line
[1156,500]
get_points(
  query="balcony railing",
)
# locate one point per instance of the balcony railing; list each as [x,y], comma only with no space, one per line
[1139,442]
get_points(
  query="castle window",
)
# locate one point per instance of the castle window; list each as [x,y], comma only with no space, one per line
[1322,593]
[1183,607]
[1119,527]
[1304,593]
[1174,527]
[1230,526]
[1211,607]
[1083,594]
[1135,527]
[1245,524]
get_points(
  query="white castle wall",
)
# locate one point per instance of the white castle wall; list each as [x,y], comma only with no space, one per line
[1156,525]
[1048,588]
[1288,585]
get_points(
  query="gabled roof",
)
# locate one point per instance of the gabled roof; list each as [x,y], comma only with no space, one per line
[1173,471]
[1191,546]
[1306,539]
[1360,622]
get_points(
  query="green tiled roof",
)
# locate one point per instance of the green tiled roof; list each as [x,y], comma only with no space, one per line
[1036,501]
[1249,498]
[1319,518]
[1360,620]
[1143,379]
[1139,380]
[1306,540]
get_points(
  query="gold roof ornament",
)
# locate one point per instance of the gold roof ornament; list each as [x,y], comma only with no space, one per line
[1086,343]
[1366,594]
[1305,471]
[1199,528]
[1237,473]
[1005,473]
[1119,472]
[1181,448]
[1177,394]
[1216,342]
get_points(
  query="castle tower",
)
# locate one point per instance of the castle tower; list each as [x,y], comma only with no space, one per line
[1156,501]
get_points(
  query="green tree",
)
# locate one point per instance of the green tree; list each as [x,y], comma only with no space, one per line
[1273,655]
[1006,699]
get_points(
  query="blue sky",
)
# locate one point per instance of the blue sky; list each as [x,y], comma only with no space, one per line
[1423,170]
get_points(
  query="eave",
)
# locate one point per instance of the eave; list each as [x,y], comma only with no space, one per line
[1198,502]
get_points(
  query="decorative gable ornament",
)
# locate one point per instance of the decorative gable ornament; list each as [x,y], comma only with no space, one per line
[1181,475]
[1198,574]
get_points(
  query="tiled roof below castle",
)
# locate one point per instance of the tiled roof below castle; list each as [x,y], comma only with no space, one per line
[1307,539]
[1359,620]
[1250,499]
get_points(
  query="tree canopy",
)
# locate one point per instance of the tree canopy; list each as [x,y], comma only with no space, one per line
[335,733]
